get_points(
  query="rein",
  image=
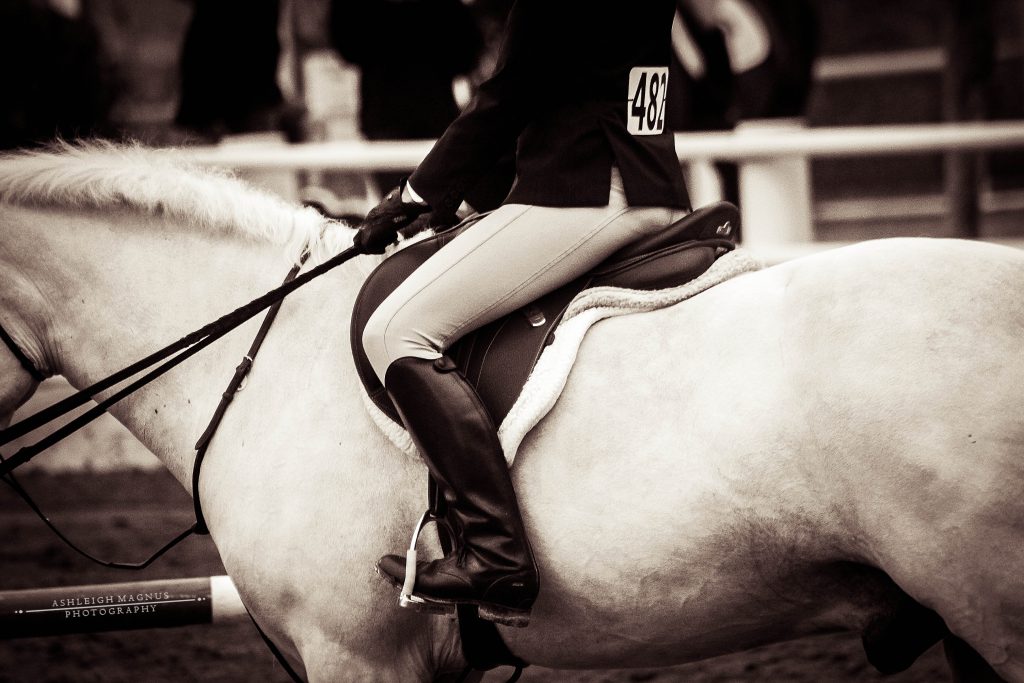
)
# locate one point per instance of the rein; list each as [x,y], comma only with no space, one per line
[483,635]
[185,347]
[176,352]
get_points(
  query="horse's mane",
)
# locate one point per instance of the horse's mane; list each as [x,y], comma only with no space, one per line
[99,175]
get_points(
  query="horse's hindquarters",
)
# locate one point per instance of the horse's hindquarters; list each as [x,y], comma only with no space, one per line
[859,406]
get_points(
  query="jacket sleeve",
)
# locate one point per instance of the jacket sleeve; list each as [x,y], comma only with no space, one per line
[502,106]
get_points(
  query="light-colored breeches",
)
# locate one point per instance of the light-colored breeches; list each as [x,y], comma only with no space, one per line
[508,259]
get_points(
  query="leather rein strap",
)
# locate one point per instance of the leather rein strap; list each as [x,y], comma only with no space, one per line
[482,644]
[199,527]
[241,372]
[185,347]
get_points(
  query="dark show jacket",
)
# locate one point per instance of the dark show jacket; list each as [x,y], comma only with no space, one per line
[562,89]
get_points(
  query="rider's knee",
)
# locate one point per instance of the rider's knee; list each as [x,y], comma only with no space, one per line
[386,339]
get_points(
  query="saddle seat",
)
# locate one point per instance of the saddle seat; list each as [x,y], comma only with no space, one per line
[497,358]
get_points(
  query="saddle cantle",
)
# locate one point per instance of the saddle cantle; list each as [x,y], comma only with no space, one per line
[497,358]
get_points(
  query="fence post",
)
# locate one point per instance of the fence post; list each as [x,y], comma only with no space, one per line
[702,182]
[969,62]
[775,193]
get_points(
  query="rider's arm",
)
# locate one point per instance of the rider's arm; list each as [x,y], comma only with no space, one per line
[500,109]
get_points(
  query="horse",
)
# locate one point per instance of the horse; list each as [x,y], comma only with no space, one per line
[799,450]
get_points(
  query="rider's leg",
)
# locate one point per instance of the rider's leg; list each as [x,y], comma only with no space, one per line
[493,565]
[508,259]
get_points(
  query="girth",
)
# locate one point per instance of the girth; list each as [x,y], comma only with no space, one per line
[497,358]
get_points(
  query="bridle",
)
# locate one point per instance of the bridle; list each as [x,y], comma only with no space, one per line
[163,360]
[167,357]
[480,633]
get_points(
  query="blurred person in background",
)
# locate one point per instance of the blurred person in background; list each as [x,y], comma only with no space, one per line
[56,81]
[408,52]
[229,65]
[491,16]
[737,60]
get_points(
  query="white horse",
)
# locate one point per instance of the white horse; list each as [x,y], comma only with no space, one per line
[790,453]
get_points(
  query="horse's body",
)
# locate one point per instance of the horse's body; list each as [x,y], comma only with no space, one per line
[747,467]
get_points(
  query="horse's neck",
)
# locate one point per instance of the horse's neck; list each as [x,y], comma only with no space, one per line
[111,295]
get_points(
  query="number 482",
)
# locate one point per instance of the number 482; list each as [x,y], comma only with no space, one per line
[647,103]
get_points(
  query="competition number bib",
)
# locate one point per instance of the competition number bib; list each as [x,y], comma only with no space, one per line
[645,100]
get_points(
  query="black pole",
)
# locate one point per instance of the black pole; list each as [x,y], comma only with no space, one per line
[969,43]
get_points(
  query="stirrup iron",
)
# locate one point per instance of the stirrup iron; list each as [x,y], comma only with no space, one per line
[406,598]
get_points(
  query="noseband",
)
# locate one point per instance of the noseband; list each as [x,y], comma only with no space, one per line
[26,363]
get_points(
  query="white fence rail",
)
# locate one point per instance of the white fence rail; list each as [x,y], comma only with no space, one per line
[773,157]
[742,145]
[771,142]
[769,153]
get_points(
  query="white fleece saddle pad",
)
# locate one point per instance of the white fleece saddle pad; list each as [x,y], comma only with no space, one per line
[545,383]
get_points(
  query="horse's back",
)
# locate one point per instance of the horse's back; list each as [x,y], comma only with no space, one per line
[870,395]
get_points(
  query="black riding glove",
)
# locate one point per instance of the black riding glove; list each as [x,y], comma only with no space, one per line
[380,227]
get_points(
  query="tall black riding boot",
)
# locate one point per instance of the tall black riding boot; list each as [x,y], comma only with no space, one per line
[494,567]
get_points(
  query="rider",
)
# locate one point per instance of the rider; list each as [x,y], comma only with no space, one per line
[580,86]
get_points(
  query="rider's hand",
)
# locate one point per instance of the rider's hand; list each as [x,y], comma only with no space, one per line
[380,227]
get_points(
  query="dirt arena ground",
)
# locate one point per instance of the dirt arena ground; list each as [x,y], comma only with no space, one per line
[121,515]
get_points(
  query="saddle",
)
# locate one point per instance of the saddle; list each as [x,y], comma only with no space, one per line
[497,358]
